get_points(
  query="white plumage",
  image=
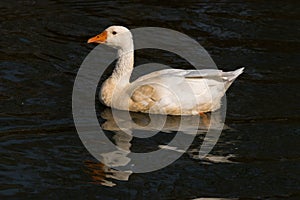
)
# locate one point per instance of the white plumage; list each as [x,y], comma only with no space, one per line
[169,91]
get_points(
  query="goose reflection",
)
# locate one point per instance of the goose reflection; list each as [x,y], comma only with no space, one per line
[124,126]
[117,120]
[103,175]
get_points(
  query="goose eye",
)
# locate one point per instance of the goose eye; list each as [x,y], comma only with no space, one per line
[114,32]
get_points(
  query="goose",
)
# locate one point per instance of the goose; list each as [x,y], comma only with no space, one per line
[167,91]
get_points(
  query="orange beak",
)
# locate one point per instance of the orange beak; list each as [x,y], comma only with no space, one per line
[101,38]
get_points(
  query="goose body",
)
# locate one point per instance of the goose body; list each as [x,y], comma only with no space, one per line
[168,91]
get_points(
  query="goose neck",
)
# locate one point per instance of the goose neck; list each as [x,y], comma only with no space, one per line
[124,66]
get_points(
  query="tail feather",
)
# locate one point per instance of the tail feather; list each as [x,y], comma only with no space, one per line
[231,76]
[236,73]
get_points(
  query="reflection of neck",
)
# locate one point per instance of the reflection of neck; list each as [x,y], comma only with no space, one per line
[124,66]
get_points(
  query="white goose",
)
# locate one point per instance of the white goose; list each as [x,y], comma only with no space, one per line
[168,91]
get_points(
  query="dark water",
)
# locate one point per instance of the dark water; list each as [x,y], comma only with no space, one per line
[43,44]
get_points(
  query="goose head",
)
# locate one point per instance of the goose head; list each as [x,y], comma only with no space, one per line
[118,37]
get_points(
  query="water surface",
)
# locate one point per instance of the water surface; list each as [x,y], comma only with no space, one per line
[43,44]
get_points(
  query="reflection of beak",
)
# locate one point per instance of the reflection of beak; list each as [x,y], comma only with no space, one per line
[101,38]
